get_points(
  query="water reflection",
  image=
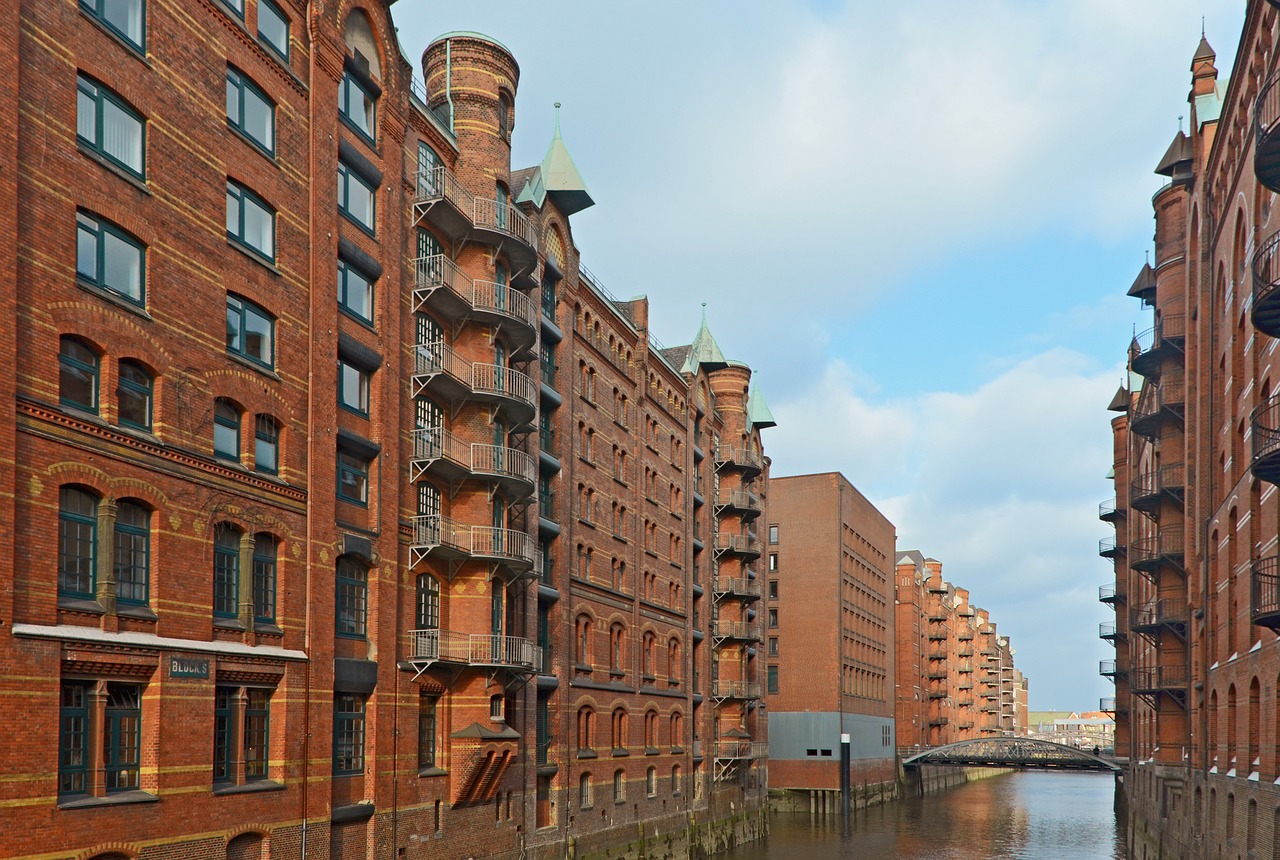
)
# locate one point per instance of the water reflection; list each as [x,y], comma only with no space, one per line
[1022,816]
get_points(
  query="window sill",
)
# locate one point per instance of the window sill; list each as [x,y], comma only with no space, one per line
[676,750]
[81,604]
[228,624]
[132,178]
[587,754]
[648,679]
[114,298]
[617,673]
[256,146]
[135,610]
[618,752]
[118,799]
[432,771]
[254,365]
[254,254]
[652,751]
[583,669]
[248,787]
[268,628]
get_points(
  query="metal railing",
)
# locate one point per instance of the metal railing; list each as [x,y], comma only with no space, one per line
[433,443]
[1108,509]
[735,689]
[1265,588]
[736,587]
[474,649]
[503,217]
[1155,612]
[742,749]
[1165,543]
[739,499]
[1265,424]
[741,543]
[437,357]
[737,455]
[434,530]
[501,460]
[1167,478]
[1157,678]
[737,630]
[501,299]
[434,272]
[439,183]
[496,379]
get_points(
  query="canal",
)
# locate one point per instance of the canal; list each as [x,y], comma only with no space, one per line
[1028,816]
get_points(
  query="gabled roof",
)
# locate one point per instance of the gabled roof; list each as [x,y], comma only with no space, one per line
[1204,51]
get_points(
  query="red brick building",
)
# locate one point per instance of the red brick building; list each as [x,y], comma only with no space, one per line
[279,587]
[1195,586]
[830,632]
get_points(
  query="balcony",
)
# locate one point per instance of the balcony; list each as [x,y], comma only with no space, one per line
[1266,119]
[1265,592]
[1162,341]
[965,636]
[938,721]
[1111,547]
[439,285]
[938,652]
[442,373]
[435,536]
[1265,425]
[737,544]
[738,588]
[1107,630]
[1110,595]
[440,454]
[1160,403]
[964,668]
[1110,705]
[743,749]
[939,692]
[474,649]
[1111,669]
[1166,547]
[1110,512]
[735,690]
[502,224]
[1159,679]
[736,458]
[1157,615]
[744,631]
[1152,489]
[442,202]
[742,502]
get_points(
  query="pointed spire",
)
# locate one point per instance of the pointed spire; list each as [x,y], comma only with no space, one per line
[705,351]
[758,411]
[1204,51]
[563,182]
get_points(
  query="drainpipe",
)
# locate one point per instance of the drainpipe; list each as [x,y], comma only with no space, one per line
[448,78]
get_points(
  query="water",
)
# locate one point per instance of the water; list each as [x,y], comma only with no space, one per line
[1021,816]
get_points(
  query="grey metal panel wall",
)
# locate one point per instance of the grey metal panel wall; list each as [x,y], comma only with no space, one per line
[792,734]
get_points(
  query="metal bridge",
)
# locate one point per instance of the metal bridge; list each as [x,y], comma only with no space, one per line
[1011,752]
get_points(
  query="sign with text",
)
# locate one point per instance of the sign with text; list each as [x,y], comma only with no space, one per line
[188,667]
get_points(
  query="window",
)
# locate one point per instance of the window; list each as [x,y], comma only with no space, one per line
[264,579]
[226,572]
[426,730]
[356,198]
[428,603]
[772,679]
[73,739]
[250,331]
[355,292]
[122,736]
[356,105]
[583,641]
[266,445]
[251,709]
[273,28]
[773,618]
[132,553]
[584,791]
[77,375]
[125,18]
[226,430]
[677,732]
[617,636]
[773,646]
[236,6]
[773,589]
[651,782]
[619,726]
[773,534]
[353,388]
[586,731]
[134,393]
[353,594]
[619,786]
[108,127]
[250,221]
[773,561]
[504,116]
[676,785]
[110,259]
[77,543]
[353,478]
[651,732]
[348,734]
[250,112]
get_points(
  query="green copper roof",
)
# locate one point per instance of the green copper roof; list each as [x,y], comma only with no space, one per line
[560,176]
[758,411]
[1209,105]
[704,351]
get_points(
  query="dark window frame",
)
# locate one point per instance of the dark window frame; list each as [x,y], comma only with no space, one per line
[351,593]
[245,85]
[94,9]
[86,525]
[346,271]
[349,80]
[135,388]
[73,738]
[358,467]
[76,364]
[133,580]
[348,734]
[364,386]
[244,310]
[225,421]
[98,230]
[244,197]
[226,572]
[266,436]
[346,175]
[265,578]
[273,8]
[98,94]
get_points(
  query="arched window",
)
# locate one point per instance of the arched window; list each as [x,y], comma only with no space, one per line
[77,374]
[617,637]
[583,640]
[677,731]
[132,553]
[646,661]
[584,791]
[619,738]
[226,571]
[134,395]
[677,786]
[586,731]
[266,445]
[428,603]
[673,660]
[264,578]
[246,846]
[77,543]
[504,116]
[226,430]
[651,732]
[619,786]
[651,782]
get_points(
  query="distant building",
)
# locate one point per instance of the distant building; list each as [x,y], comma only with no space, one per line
[829,629]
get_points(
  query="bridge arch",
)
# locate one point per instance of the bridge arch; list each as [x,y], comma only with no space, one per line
[1011,752]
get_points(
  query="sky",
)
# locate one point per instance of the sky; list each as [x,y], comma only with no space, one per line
[916,221]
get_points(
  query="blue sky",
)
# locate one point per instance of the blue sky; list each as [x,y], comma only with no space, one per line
[917,221]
